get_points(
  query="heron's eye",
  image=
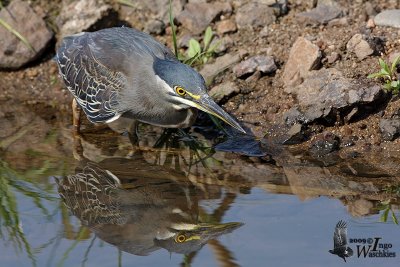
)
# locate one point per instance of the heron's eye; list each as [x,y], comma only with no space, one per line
[180,238]
[180,91]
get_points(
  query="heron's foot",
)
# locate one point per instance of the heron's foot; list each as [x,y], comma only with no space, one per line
[133,134]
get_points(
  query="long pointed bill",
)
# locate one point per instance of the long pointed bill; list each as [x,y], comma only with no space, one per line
[206,104]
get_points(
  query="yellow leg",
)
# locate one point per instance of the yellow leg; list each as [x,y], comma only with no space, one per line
[76,117]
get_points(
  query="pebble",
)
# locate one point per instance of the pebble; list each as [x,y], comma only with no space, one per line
[226,26]
[333,57]
[358,45]
[264,64]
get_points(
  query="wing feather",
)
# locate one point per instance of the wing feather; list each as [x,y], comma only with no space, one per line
[340,234]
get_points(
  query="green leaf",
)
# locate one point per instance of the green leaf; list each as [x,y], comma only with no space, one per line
[395,84]
[384,216]
[208,35]
[194,48]
[384,66]
[395,62]
[384,72]
[387,86]
[394,218]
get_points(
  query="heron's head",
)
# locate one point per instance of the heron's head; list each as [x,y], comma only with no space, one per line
[185,88]
[186,238]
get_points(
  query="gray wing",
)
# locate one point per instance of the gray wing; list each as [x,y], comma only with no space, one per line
[91,195]
[340,235]
[97,66]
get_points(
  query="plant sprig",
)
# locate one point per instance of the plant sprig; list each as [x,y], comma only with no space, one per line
[389,75]
[198,54]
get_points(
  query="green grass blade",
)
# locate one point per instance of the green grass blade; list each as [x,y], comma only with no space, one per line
[126,3]
[394,218]
[171,22]
[19,36]
[384,215]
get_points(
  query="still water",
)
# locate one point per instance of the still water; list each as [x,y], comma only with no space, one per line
[177,201]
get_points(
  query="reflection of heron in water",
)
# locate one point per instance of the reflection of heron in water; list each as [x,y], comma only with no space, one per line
[139,207]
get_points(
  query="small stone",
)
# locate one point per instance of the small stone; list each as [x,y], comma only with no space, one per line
[390,129]
[224,90]
[226,26]
[21,17]
[224,44]
[264,64]
[303,57]
[358,45]
[264,32]
[333,57]
[196,17]
[254,14]
[155,27]
[324,144]
[370,24]
[389,18]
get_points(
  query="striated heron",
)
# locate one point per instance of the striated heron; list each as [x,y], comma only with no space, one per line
[139,207]
[122,72]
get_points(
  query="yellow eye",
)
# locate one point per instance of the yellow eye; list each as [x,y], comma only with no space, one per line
[180,238]
[180,91]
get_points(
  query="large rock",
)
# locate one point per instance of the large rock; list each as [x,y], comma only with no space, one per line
[304,56]
[388,18]
[254,14]
[82,15]
[21,17]
[197,16]
[325,90]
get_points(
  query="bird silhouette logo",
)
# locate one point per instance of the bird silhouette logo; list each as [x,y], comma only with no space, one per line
[340,247]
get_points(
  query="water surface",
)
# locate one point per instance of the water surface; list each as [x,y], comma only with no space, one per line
[176,201]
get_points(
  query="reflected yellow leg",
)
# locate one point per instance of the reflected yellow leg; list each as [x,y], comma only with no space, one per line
[76,117]
[133,133]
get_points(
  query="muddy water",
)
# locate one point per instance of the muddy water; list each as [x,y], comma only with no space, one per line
[177,201]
